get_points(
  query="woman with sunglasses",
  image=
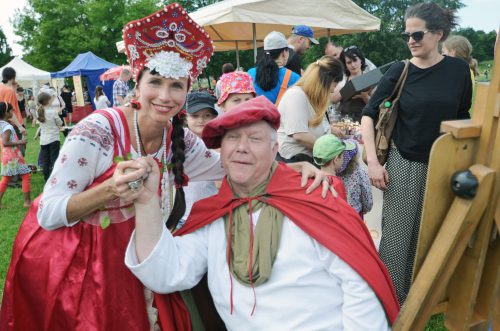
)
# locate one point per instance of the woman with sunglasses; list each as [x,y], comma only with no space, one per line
[437,88]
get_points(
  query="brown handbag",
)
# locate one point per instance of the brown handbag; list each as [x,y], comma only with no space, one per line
[387,118]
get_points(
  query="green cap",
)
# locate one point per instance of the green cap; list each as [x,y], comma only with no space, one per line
[387,104]
[328,147]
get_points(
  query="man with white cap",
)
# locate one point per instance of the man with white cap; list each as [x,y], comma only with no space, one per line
[270,77]
[300,41]
[276,258]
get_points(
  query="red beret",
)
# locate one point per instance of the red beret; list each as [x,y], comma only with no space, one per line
[248,112]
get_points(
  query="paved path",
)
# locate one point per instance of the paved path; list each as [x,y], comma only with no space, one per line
[374,218]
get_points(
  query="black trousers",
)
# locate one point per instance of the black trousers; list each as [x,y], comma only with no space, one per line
[49,153]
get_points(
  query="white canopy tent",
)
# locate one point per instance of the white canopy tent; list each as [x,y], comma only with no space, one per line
[243,24]
[27,75]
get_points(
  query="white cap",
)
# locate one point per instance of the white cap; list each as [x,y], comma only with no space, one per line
[275,40]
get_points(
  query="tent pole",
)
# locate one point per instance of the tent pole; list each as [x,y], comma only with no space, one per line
[254,27]
[237,55]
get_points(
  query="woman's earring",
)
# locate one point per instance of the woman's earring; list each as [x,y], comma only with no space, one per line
[136,105]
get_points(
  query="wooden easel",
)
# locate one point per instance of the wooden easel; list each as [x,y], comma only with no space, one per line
[457,266]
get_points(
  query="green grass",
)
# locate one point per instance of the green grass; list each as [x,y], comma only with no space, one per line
[12,214]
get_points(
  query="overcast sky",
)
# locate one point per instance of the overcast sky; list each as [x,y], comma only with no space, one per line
[478,14]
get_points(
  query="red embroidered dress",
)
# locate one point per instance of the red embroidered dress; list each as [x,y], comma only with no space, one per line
[74,277]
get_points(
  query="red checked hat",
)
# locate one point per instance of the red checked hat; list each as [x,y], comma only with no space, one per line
[248,112]
[169,42]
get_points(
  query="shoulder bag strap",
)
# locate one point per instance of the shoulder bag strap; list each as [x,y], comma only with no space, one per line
[398,88]
[283,86]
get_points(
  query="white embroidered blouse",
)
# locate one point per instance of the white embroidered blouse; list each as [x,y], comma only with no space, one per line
[88,152]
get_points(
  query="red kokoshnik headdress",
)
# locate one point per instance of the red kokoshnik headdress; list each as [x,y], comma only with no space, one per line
[169,42]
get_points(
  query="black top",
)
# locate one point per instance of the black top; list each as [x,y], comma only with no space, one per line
[22,105]
[430,96]
[66,96]
[294,62]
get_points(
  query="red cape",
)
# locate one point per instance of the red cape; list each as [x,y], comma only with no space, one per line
[326,219]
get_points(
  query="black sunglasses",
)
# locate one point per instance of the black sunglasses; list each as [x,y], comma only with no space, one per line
[417,35]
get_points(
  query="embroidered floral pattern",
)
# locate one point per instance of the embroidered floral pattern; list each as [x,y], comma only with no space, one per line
[82,162]
[53,181]
[208,154]
[93,132]
[134,55]
[189,140]
[64,158]
[72,184]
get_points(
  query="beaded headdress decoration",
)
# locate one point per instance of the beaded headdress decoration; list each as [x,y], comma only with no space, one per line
[169,42]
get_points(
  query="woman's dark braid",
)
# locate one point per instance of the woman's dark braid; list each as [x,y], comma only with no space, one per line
[178,147]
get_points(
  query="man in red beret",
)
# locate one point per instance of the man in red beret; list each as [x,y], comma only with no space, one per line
[277,259]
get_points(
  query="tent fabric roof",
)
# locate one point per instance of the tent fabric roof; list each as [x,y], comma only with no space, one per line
[229,21]
[84,64]
[25,71]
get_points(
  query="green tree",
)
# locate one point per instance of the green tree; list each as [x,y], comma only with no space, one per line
[53,32]
[483,44]
[5,50]
[385,45]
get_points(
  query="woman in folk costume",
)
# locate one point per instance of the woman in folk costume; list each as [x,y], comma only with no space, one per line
[73,277]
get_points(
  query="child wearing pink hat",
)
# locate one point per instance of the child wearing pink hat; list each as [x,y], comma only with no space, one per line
[236,87]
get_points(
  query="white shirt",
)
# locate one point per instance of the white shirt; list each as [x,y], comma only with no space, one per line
[194,192]
[310,288]
[49,130]
[101,102]
[88,152]
[296,112]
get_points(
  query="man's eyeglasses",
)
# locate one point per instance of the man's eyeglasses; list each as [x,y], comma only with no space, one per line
[417,35]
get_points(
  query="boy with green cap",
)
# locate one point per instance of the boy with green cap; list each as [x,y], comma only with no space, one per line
[328,154]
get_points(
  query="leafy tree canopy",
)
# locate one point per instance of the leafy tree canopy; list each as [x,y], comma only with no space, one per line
[5,50]
[53,32]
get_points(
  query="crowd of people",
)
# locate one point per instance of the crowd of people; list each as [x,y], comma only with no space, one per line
[185,210]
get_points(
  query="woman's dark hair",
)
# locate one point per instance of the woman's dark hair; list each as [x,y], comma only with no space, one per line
[5,107]
[98,92]
[268,72]
[43,101]
[8,73]
[353,53]
[435,17]
[178,157]
[227,68]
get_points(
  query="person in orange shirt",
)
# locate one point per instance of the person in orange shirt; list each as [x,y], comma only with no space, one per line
[8,94]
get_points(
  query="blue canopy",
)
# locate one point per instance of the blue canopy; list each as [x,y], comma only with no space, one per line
[83,65]
[91,67]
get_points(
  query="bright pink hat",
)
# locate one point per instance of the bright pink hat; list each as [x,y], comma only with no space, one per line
[169,42]
[248,112]
[235,82]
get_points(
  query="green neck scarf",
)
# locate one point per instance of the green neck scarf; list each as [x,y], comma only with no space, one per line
[247,248]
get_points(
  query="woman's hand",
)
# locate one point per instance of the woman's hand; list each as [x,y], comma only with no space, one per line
[136,180]
[378,175]
[309,171]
